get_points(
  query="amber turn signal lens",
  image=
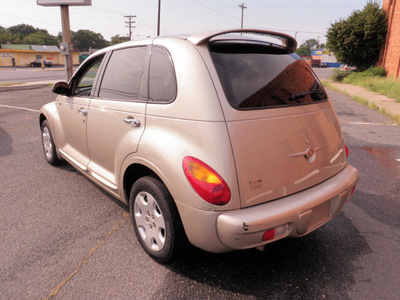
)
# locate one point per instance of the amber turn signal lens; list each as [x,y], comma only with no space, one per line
[206,182]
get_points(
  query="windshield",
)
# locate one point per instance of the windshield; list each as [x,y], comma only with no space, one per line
[257,75]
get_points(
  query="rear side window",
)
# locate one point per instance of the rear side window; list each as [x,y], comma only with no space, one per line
[124,75]
[256,76]
[162,82]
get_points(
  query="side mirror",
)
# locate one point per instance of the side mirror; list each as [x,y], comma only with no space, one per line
[61,88]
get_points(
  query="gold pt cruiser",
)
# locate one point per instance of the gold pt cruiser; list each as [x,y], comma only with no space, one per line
[225,139]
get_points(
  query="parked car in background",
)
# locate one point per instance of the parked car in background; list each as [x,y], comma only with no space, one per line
[225,139]
[315,63]
[323,65]
[38,63]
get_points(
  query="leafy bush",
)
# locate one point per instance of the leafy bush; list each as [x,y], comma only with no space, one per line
[357,40]
[376,71]
[339,75]
[357,78]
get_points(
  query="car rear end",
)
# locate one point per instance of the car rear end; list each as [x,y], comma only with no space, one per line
[288,149]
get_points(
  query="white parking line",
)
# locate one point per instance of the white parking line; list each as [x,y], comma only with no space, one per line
[22,108]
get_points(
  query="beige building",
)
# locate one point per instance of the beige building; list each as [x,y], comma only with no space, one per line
[23,55]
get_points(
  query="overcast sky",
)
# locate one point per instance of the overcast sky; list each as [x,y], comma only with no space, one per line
[303,19]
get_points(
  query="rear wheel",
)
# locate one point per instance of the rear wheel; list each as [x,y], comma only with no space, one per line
[155,219]
[49,147]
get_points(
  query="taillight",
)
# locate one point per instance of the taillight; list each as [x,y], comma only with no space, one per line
[347,150]
[206,182]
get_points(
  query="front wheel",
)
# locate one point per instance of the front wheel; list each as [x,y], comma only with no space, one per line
[155,219]
[49,147]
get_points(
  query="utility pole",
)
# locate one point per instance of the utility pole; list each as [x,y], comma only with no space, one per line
[243,7]
[130,26]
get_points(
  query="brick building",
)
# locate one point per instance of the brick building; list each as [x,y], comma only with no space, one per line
[390,53]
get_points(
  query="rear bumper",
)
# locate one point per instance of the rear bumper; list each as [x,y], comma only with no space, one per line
[295,215]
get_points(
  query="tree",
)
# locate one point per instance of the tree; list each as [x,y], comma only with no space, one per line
[22,30]
[41,38]
[116,39]
[308,46]
[5,36]
[85,39]
[302,50]
[357,40]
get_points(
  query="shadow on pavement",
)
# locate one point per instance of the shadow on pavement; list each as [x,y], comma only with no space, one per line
[319,265]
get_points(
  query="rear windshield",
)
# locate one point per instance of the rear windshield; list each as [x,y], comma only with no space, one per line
[258,75]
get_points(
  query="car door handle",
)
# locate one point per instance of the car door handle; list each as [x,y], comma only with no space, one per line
[132,122]
[82,111]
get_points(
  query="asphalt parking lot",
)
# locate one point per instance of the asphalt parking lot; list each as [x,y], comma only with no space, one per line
[64,238]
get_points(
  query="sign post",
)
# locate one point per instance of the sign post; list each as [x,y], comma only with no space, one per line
[66,46]
[66,34]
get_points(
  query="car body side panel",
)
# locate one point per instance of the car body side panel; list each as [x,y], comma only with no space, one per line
[110,138]
[70,128]
[165,144]
[49,111]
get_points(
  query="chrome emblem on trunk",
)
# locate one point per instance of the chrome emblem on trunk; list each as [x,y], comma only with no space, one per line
[308,153]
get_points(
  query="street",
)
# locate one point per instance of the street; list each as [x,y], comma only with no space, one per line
[14,75]
[64,238]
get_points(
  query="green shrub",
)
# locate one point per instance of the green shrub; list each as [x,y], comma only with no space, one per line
[339,75]
[375,71]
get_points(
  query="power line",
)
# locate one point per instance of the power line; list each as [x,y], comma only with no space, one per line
[130,26]
[215,10]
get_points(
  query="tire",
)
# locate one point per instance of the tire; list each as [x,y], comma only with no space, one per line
[156,220]
[49,148]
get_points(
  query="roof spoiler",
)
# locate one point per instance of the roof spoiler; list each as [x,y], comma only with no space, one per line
[203,38]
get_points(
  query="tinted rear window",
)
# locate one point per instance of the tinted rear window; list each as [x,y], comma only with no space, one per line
[256,75]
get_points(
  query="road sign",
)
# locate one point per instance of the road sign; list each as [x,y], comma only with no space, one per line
[64,2]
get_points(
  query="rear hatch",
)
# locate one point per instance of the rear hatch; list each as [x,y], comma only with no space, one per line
[284,132]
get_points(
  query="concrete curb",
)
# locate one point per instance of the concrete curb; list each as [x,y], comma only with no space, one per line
[21,87]
[27,85]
